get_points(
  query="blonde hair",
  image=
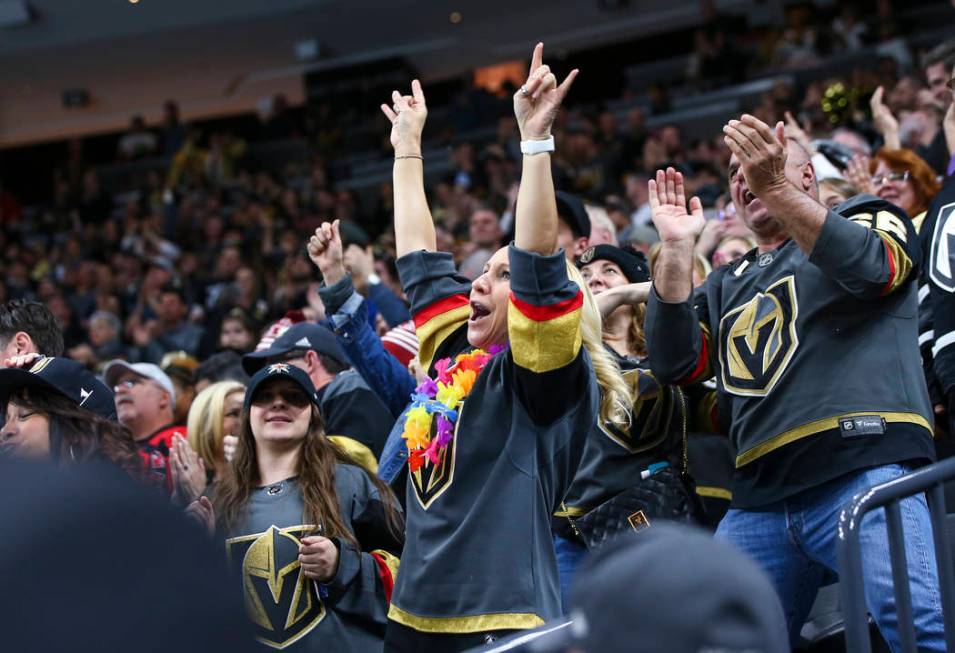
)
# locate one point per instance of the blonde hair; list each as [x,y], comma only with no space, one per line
[204,424]
[616,397]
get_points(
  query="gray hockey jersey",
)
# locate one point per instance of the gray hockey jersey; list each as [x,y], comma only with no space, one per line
[816,355]
[290,611]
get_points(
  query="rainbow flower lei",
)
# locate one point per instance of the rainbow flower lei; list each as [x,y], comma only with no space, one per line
[441,397]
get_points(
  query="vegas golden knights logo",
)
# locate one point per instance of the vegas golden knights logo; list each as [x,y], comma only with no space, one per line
[758,339]
[431,480]
[282,602]
[652,413]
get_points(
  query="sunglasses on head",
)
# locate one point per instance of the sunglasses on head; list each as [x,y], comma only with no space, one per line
[291,396]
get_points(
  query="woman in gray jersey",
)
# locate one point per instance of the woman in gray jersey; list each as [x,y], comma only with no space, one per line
[652,451]
[313,538]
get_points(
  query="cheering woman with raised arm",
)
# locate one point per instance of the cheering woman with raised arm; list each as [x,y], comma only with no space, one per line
[510,395]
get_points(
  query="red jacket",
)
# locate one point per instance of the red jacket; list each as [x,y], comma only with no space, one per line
[155,453]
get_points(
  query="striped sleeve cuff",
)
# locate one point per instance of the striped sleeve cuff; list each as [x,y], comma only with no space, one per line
[545,311]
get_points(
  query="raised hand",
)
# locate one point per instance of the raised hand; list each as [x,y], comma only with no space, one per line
[407,114]
[884,121]
[668,209]
[857,173]
[537,101]
[795,131]
[325,250]
[761,153]
[188,471]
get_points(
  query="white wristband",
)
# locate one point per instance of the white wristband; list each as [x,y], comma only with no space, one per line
[536,147]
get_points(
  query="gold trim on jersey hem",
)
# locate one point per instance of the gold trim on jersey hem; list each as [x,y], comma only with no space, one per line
[571,511]
[714,492]
[825,424]
[469,624]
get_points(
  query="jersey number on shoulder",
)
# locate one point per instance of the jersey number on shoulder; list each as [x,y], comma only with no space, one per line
[758,339]
[883,221]
[942,270]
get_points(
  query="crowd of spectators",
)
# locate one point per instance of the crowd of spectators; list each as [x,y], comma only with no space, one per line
[200,277]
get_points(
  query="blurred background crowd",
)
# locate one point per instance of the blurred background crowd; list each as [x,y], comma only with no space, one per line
[182,236]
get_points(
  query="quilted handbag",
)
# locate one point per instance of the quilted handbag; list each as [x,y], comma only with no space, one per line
[662,496]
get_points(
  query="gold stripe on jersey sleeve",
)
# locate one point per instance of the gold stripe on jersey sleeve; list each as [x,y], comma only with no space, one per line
[543,346]
[714,492]
[903,264]
[391,561]
[825,424]
[433,332]
[470,624]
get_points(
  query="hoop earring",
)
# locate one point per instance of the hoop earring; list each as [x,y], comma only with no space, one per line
[72,455]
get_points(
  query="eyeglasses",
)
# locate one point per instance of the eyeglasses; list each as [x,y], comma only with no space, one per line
[127,384]
[894,177]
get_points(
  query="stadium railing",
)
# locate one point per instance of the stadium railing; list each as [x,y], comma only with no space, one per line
[888,496]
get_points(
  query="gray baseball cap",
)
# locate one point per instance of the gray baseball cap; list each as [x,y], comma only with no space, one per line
[115,369]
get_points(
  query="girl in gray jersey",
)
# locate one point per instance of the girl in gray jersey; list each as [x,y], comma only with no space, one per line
[313,538]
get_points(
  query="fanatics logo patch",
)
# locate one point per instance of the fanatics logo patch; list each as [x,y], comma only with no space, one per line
[860,425]
[942,268]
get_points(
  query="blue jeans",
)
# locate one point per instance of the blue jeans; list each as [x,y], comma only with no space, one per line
[795,541]
[569,556]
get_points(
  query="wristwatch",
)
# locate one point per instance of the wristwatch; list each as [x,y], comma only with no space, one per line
[536,147]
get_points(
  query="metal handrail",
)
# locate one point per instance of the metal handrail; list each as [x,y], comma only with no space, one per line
[888,495]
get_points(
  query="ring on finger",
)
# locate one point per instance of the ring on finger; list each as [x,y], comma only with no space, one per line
[524,90]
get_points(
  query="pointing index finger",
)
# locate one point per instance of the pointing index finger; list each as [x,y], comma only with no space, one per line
[537,58]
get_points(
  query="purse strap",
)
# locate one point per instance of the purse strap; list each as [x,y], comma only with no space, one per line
[571,521]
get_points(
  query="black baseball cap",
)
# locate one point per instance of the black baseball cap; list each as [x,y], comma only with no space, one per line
[632,263]
[65,377]
[672,589]
[353,234]
[304,335]
[570,209]
[281,370]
